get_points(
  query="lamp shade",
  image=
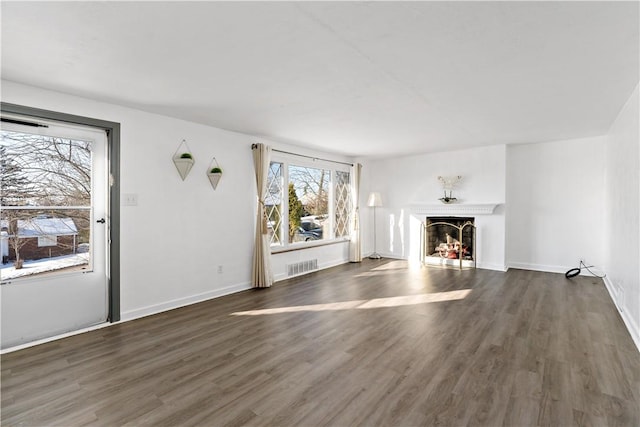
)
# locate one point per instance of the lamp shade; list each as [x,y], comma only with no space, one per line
[374,199]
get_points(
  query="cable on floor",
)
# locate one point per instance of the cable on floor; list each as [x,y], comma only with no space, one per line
[575,271]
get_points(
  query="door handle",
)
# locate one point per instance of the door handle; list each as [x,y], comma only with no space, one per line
[101,221]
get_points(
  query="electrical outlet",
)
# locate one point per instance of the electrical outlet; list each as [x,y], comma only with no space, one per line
[219,269]
[130,199]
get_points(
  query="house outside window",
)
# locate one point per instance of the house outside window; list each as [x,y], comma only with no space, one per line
[307,202]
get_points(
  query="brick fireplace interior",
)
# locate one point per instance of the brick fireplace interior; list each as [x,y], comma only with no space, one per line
[443,240]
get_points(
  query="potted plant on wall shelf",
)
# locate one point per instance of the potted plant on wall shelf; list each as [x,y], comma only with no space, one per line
[183,159]
[214,174]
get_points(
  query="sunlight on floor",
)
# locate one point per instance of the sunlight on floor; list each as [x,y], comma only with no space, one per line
[392,265]
[386,269]
[414,269]
[364,304]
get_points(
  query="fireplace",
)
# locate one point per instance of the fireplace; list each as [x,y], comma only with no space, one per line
[448,240]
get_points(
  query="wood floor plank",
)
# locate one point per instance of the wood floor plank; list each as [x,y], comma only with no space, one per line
[371,344]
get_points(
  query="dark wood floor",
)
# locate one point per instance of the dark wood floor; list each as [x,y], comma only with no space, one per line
[374,343]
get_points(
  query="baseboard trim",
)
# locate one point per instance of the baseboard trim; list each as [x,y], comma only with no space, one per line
[55,337]
[387,255]
[546,268]
[333,263]
[490,266]
[631,325]
[538,267]
[142,312]
[182,302]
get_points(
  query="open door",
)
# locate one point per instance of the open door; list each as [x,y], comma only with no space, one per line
[54,227]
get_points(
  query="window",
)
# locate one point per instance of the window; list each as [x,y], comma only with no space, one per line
[47,241]
[307,203]
[45,202]
[343,203]
[273,203]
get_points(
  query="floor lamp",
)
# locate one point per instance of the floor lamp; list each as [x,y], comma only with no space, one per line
[374,202]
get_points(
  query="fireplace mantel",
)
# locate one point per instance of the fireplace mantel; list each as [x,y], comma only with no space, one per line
[454,209]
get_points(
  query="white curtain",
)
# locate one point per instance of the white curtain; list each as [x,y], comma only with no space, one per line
[355,247]
[261,276]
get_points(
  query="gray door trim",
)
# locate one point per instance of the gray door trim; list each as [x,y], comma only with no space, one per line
[113,153]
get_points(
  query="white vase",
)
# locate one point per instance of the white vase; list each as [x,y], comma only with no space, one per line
[184,166]
[214,178]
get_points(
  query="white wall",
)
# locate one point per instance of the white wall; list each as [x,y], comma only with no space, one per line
[622,204]
[408,181]
[555,209]
[174,240]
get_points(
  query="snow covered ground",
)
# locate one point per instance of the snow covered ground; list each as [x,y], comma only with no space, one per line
[7,271]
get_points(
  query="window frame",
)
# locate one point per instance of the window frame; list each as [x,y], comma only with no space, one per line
[47,240]
[291,160]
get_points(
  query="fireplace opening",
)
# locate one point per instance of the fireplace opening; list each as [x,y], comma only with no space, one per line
[449,241]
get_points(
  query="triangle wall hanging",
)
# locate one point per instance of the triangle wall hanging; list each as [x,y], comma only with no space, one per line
[183,159]
[214,172]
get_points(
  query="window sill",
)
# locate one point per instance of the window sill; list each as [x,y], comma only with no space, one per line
[307,245]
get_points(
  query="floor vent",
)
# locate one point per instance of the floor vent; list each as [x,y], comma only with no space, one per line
[302,267]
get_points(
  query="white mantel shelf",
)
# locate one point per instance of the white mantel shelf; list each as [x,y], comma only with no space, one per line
[454,209]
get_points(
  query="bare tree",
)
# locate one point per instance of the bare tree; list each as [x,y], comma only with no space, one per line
[314,185]
[15,191]
[43,171]
[14,217]
[58,170]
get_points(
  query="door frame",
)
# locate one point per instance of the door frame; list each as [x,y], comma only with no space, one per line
[112,130]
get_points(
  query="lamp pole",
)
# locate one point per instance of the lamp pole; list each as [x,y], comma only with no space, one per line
[375,254]
[374,201]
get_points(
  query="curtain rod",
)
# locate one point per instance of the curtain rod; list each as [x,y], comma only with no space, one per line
[303,155]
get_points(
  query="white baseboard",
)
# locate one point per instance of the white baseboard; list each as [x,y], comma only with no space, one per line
[142,312]
[538,267]
[55,337]
[629,322]
[387,255]
[282,276]
[492,266]
[334,263]
[181,302]
[545,268]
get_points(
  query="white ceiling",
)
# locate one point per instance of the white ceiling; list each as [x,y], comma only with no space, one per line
[357,78]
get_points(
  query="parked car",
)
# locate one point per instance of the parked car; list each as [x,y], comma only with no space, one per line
[304,235]
[312,227]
